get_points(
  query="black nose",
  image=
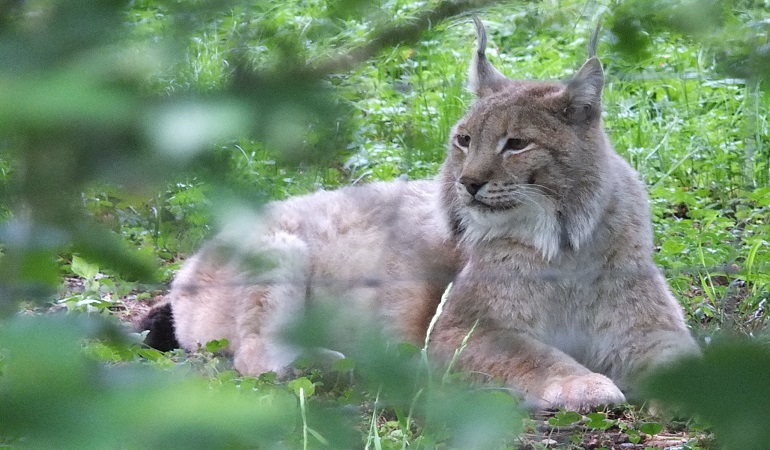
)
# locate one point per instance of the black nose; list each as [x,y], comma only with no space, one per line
[472,185]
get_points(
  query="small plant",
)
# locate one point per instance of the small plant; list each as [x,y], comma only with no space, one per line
[94,292]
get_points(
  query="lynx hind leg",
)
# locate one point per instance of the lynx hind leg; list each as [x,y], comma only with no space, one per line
[199,300]
[270,304]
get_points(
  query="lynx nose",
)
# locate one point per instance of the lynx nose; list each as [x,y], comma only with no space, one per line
[472,185]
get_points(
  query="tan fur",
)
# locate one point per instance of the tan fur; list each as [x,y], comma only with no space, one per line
[547,236]
[556,230]
[380,251]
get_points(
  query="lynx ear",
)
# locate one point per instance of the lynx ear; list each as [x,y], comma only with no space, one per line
[483,78]
[584,92]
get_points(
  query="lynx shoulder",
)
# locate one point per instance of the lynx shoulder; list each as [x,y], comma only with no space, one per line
[556,230]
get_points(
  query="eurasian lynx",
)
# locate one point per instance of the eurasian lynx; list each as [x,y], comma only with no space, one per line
[556,231]
[543,227]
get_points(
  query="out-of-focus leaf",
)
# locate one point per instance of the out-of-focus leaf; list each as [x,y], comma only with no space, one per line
[632,39]
[57,398]
[60,99]
[83,268]
[183,129]
[344,365]
[740,46]
[475,419]
[44,33]
[28,270]
[727,387]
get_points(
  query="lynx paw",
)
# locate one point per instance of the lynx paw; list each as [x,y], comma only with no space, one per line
[255,356]
[582,392]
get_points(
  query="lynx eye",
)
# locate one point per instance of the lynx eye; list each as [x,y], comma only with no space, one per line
[463,140]
[515,145]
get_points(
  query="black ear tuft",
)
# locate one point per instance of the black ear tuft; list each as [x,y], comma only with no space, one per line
[593,42]
[160,322]
[483,78]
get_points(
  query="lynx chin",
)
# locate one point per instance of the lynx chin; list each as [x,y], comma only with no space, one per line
[543,228]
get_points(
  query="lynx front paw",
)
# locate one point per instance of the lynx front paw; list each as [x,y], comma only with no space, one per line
[582,392]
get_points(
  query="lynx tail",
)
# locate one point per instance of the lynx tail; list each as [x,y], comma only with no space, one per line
[160,323]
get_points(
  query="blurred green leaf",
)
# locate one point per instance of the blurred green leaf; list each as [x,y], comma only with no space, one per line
[106,249]
[53,395]
[61,99]
[81,267]
[739,44]
[473,419]
[727,387]
[344,365]
[38,267]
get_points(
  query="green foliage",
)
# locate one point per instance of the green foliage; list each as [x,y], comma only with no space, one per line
[98,293]
[734,30]
[55,397]
[651,428]
[599,421]
[734,375]
[128,129]
[302,387]
[564,418]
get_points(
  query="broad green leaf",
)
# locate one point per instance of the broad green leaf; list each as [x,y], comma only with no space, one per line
[672,247]
[633,436]
[651,428]
[217,345]
[38,267]
[564,419]
[308,389]
[599,421]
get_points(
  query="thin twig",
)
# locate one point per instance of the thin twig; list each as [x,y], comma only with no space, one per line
[394,35]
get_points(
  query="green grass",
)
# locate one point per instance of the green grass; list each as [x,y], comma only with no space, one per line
[697,134]
[698,137]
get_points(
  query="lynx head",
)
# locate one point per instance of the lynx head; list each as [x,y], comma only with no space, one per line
[526,162]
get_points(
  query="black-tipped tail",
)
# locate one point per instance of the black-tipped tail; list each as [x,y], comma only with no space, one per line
[160,322]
